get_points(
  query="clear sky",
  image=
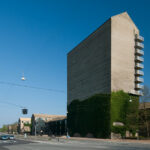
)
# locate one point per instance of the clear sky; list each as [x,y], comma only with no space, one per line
[35,37]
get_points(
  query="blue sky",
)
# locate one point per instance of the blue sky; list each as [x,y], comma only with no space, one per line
[35,37]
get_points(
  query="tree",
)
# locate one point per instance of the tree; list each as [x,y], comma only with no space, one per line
[4,128]
[144,115]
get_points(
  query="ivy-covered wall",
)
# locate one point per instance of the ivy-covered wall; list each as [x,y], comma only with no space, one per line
[124,108]
[96,115]
[91,116]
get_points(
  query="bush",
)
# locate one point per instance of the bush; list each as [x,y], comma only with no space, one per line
[119,129]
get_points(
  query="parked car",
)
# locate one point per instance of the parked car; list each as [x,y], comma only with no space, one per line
[11,137]
[4,137]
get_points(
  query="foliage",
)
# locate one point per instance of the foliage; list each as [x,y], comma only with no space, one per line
[144,114]
[90,116]
[119,129]
[4,128]
[96,114]
[27,124]
[132,116]
[122,110]
[119,104]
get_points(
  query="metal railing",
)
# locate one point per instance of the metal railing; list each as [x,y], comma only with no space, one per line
[139,52]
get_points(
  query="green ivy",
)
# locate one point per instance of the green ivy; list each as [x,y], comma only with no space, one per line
[119,104]
[27,125]
[96,114]
[90,116]
[122,110]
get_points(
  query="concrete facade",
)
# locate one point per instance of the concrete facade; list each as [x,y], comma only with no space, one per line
[107,60]
[89,65]
[123,32]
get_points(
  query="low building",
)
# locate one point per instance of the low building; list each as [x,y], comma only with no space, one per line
[39,122]
[57,126]
[24,125]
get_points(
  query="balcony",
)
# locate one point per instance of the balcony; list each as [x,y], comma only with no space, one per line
[140,93]
[139,80]
[139,38]
[136,92]
[139,52]
[139,66]
[139,86]
[139,45]
[139,73]
[139,59]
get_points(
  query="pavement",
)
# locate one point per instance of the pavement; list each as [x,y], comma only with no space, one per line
[46,143]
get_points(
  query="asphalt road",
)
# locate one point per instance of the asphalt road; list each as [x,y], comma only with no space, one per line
[70,145]
[9,143]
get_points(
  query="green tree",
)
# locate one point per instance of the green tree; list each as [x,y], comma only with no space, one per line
[4,128]
[144,115]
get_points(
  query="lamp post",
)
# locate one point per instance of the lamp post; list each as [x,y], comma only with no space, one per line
[35,128]
[66,122]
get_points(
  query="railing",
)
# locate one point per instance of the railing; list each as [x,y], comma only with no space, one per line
[136,92]
[139,86]
[139,59]
[139,93]
[139,52]
[139,38]
[139,45]
[139,73]
[139,80]
[139,66]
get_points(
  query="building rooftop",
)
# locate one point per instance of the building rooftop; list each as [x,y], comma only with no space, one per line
[25,119]
[47,116]
[58,118]
[123,14]
[146,105]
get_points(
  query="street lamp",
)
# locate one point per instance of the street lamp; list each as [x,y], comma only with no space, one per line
[23,77]
[130,100]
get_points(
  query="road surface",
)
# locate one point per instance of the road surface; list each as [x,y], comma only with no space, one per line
[70,145]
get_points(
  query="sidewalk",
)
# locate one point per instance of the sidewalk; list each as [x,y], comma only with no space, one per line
[65,139]
[111,140]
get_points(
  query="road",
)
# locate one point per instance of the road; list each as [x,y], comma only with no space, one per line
[70,145]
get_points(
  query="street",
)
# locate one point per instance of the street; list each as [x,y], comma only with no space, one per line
[70,145]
